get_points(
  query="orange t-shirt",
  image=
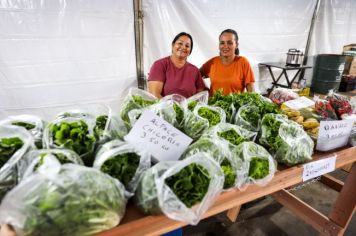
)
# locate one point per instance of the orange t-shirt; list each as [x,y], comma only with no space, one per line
[231,78]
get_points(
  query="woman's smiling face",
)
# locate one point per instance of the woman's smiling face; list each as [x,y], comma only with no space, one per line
[227,45]
[182,47]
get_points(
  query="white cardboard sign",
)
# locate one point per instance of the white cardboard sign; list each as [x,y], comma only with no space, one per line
[317,168]
[299,103]
[161,139]
[333,134]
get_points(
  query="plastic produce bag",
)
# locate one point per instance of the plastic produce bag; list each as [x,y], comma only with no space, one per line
[340,103]
[180,107]
[234,169]
[288,141]
[202,117]
[164,109]
[135,99]
[124,162]
[248,117]
[281,95]
[154,194]
[324,109]
[107,126]
[199,98]
[33,124]
[352,139]
[69,200]
[15,141]
[233,134]
[74,133]
[260,164]
[32,160]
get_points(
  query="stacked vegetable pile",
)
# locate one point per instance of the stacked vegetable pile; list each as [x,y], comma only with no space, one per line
[57,195]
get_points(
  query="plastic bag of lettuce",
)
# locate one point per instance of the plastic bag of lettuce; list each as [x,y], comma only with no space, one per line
[65,200]
[182,190]
[33,124]
[235,169]
[123,161]
[201,119]
[135,99]
[260,164]
[74,132]
[15,141]
[33,159]
[287,140]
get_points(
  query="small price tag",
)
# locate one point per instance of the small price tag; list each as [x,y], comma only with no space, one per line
[317,168]
[333,134]
[161,139]
[299,103]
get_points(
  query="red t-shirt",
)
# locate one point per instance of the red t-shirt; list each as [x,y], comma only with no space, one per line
[184,81]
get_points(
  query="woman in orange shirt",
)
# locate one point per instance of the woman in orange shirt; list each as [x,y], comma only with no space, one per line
[229,71]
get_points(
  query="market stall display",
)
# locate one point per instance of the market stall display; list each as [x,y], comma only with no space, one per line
[225,156]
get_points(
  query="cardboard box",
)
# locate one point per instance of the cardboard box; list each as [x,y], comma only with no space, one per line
[350,63]
[352,70]
[350,47]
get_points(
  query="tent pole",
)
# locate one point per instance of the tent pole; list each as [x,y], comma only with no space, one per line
[138,19]
[310,35]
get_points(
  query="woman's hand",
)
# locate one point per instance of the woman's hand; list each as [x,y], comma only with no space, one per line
[250,87]
[7,230]
[155,88]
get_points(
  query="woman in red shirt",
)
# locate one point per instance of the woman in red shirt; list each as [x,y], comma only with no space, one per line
[229,71]
[174,74]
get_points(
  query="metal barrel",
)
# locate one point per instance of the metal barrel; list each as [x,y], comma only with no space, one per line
[327,73]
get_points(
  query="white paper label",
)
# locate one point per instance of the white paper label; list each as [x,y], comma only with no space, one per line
[317,168]
[333,134]
[161,139]
[299,103]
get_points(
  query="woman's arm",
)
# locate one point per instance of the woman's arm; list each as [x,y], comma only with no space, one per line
[155,88]
[250,87]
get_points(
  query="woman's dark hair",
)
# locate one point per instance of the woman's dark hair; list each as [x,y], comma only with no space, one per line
[184,34]
[231,31]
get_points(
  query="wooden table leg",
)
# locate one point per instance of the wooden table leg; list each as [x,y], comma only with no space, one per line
[332,182]
[233,213]
[344,206]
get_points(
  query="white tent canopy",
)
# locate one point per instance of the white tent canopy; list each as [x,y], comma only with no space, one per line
[60,53]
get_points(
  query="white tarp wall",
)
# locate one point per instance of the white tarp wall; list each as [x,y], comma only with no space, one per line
[55,54]
[267,29]
[335,26]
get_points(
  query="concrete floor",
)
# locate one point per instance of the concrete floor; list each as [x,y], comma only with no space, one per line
[266,217]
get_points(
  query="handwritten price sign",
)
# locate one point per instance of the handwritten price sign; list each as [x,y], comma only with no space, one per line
[333,134]
[317,168]
[164,141]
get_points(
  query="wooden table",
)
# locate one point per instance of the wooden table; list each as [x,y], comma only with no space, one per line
[135,223]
